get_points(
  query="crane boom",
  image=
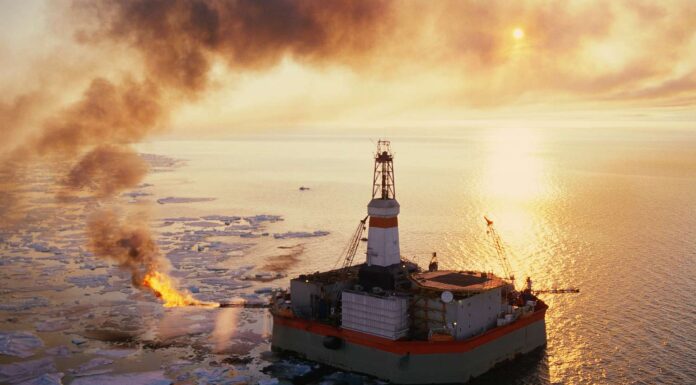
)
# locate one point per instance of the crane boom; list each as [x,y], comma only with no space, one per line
[500,250]
[352,247]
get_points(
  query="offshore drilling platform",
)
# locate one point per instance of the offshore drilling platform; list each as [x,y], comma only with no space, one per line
[391,319]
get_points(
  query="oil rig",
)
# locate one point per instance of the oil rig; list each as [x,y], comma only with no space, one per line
[389,318]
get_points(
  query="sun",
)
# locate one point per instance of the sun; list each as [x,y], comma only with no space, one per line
[518,33]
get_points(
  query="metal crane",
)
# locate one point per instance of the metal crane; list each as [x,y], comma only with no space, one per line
[500,250]
[349,252]
[502,255]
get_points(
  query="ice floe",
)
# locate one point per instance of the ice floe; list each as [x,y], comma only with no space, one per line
[288,369]
[41,247]
[257,219]
[169,200]
[26,371]
[223,218]
[23,303]
[92,367]
[114,353]
[28,289]
[159,163]
[204,224]
[300,234]
[83,281]
[217,376]
[264,276]
[180,219]
[19,344]
[45,379]
[52,325]
[143,378]
[60,351]
[136,194]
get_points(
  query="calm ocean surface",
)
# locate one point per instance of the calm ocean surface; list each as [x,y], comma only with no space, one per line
[612,212]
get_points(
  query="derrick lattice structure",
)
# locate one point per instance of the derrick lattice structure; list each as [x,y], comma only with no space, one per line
[383,186]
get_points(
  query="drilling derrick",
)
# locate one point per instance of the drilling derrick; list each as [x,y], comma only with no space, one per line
[383,209]
[383,181]
[389,318]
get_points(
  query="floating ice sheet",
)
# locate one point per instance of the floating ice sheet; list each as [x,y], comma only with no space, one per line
[287,369]
[217,376]
[222,218]
[29,289]
[257,219]
[45,379]
[19,344]
[41,247]
[114,353]
[60,351]
[180,219]
[83,281]
[204,224]
[92,367]
[143,378]
[300,234]
[52,325]
[168,200]
[26,371]
[136,194]
[159,163]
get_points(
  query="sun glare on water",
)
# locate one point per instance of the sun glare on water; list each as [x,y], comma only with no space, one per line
[164,288]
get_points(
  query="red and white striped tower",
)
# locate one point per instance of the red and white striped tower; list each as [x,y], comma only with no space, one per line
[383,233]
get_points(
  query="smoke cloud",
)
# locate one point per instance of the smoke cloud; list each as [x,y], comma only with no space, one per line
[106,170]
[107,113]
[168,52]
[128,243]
[179,40]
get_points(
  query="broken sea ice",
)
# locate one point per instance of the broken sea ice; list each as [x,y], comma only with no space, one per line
[167,200]
[143,378]
[26,371]
[92,367]
[19,344]
[300,234]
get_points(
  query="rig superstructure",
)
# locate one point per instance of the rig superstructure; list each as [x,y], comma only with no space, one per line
[391,319]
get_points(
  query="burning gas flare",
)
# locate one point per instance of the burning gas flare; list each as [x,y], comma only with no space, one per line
[163,287]
[130,243]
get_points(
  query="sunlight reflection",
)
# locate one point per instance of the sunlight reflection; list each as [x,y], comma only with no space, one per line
[513,170]
[515,187]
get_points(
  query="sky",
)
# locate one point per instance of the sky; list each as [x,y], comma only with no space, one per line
[213,69]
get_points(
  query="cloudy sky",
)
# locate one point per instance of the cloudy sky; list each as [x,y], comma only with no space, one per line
[214,68]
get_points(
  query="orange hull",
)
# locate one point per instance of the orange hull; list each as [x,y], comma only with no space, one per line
[410,346]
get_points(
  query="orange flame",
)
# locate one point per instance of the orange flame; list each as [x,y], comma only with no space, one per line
[163,287]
